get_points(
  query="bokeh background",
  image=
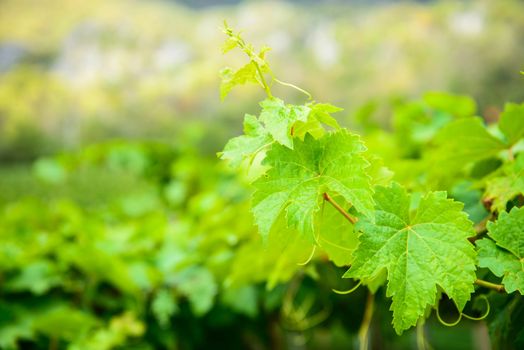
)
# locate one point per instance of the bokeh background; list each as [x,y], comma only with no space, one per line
[118,225]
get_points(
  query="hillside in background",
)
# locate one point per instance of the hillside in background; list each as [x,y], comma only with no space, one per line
[72,72]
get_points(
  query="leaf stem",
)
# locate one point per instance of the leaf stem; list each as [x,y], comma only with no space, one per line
[262,79]
[421,337]
[496,287]
[363,332]
[341,210]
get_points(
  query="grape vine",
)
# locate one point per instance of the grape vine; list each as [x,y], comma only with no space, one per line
[411,236]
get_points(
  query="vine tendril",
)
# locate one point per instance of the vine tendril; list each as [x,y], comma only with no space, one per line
[461,314]
[310,97]
[447,324]
[310,256]
[480,318]
[345,292]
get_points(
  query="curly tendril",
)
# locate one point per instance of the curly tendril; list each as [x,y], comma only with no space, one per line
[480,318]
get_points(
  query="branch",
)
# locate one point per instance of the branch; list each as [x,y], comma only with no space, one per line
[496,287]
[341,210]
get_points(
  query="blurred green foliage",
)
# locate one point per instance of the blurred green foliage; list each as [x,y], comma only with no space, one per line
[151,245]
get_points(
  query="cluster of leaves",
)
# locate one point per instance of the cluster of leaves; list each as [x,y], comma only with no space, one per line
[420,210]
[170,254]
[146,245]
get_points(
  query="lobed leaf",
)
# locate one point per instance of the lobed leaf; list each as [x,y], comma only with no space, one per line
[421,251]
[279,119]
[511,122]
[456,105]
[465,141]
[505,255]
[502,189]
[255,138]
[336,236]
[230,79]
[298,178]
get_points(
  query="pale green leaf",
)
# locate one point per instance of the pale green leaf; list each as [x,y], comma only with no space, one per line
[273,261]
[511,122]
[50,170]
[242,300]
[380,174]
[336,235]
[63,322]
[501,189]
[255,139]
[279,119]
[506,257]
[164,306]
[320,114]
[465,141]
[38,277]
[199,286]
[298,178]
[312,127]
[456,105]
[230,43]
[230,79]
[420,251]
[503,264]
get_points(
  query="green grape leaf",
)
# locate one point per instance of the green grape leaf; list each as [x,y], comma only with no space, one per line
[63,322]
[312,126]
[511,122]
[421,251]
[230,43]
[298,178]
[465,192]
[280,118]
[322,112]
[273,261]
[38,277]
[230,79]
[501,189]
[505,320]
[465,141]
[200,287]
[243,300]
[50,170]
[456,105]
[255,138]
[380,174]
[164,306]
[336,235]
[416,124]
[506,257]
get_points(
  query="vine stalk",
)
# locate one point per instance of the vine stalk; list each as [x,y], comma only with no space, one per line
[363,332]
[496,287]
[341,210]
[421,337]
